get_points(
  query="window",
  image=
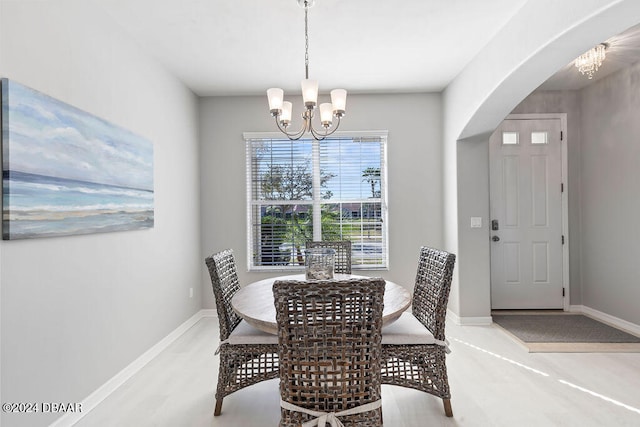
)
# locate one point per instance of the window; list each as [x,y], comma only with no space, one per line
[539,137]
[510,138]
[303,190]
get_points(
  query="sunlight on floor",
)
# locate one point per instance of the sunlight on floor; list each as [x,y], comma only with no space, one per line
[605,398]
[530,369]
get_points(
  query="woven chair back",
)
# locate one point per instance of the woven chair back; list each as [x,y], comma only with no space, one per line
[329,335]
[431,291]
[224,281]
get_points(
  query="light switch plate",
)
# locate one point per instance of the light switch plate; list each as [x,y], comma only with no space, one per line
[476,222]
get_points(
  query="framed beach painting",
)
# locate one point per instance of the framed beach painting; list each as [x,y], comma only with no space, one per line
[67,172]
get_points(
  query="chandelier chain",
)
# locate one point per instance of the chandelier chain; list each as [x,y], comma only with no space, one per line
[306,39]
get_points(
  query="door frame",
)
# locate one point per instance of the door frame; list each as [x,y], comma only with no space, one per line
[564,195]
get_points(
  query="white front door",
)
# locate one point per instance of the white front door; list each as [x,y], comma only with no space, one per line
[526,215]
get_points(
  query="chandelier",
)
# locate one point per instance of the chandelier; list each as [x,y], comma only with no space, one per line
[281,109]
[589,62]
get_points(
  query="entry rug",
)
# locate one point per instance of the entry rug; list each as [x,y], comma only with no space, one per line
[566,333]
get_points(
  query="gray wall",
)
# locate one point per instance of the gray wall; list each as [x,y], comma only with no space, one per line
[77,310]
[415,174]
[474,271]
[611,194]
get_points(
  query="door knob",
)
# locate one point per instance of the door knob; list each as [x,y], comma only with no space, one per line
[495,238]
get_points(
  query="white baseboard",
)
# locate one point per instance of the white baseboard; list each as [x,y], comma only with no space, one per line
[121,377]
[606,318]
[469,321]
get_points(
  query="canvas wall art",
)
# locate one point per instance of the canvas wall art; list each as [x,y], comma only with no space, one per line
[67,172]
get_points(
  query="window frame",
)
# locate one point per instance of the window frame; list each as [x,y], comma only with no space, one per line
[251,202]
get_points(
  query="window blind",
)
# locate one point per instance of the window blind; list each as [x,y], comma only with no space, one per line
[303,190]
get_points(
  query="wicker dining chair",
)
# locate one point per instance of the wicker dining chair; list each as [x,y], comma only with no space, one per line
[343,253]
[329,336]
[247,355]
[414,347]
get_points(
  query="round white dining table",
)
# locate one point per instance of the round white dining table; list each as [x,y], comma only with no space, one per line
[255,304]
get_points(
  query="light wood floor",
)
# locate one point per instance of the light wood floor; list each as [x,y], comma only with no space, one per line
[494,382]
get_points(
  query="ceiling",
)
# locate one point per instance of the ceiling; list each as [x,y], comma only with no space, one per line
[233,47]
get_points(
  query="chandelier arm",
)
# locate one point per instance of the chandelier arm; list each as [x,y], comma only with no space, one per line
[337,125]
[294,136]
[335,128]
[317,135]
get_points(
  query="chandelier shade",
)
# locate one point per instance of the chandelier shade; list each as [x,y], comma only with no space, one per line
[590,61]
[326,112]
[309,92]
[285,116]
[339,100]
[281,110]
[276,98]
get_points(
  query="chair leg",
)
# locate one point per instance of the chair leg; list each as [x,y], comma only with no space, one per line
[218,409]
[447,407]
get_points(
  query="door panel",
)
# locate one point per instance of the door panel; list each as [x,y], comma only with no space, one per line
[512,258]
[540,262]
[526,201]
[539,188]
[510,189]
